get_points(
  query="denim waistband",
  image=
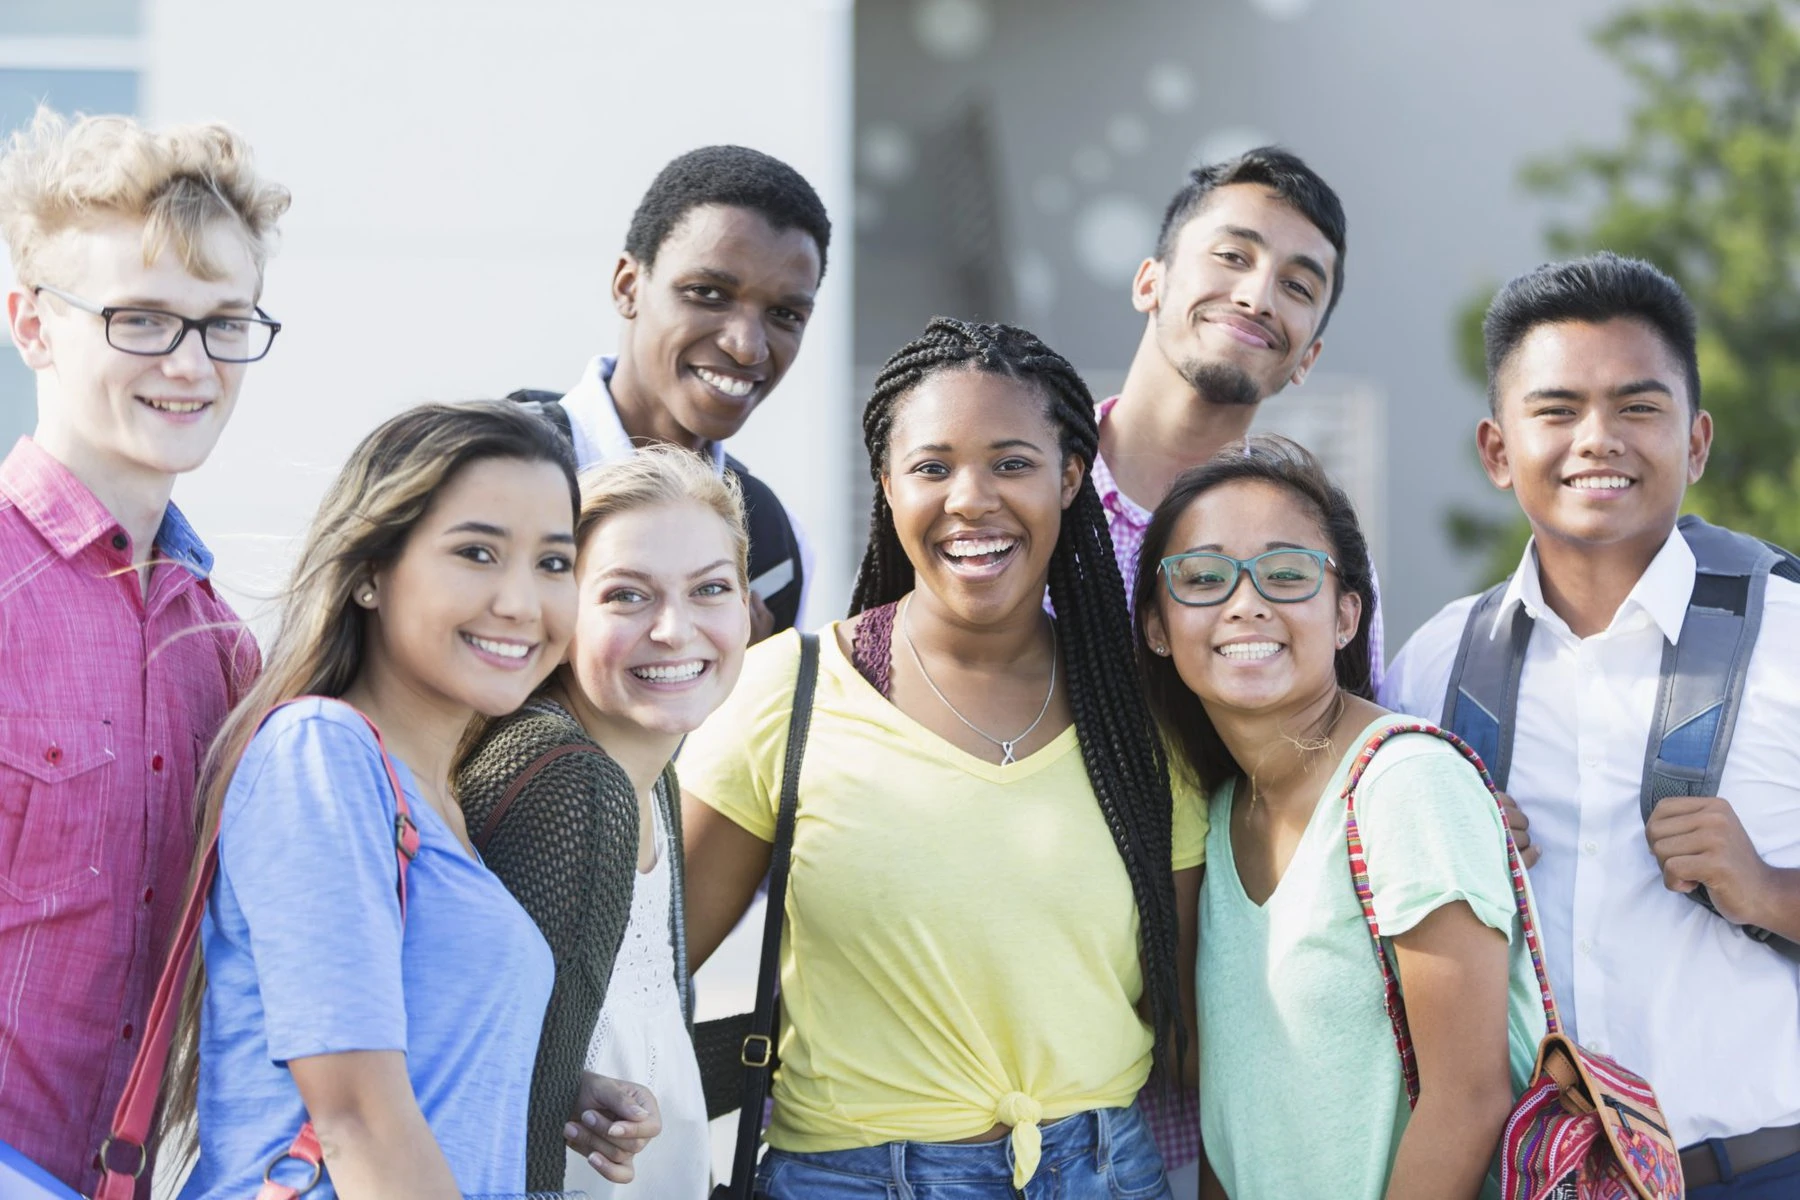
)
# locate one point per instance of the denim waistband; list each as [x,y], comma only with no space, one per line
[1084,1134]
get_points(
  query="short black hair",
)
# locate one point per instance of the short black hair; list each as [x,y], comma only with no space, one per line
[735,176]
[1282,172]
[1601,287]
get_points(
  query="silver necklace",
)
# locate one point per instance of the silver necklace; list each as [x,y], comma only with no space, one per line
[1006,744]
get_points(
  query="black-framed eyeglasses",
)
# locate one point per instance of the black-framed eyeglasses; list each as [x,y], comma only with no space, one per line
[151,332]
[1287,576]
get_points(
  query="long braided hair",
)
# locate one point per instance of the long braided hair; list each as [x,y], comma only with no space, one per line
[1123,754]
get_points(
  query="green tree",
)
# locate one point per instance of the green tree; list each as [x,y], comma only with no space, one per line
[1705,184]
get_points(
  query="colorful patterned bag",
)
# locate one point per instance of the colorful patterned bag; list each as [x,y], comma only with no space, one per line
[1586,1128]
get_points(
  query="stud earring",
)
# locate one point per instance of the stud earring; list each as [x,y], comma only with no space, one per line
[365,595]
[1160,649]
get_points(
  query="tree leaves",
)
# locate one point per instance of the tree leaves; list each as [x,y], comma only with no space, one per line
[1706,185]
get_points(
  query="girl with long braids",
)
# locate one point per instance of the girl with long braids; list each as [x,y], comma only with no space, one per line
[1250,599]
[982,952]
[399,1018]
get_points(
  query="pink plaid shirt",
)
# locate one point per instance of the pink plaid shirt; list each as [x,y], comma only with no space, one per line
[108,699]
[1176,1127]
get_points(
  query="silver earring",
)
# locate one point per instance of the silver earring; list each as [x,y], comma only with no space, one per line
[1160,649]
[366,597]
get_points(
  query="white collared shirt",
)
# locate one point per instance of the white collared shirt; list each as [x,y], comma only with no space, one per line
[1641,973]
[600,437]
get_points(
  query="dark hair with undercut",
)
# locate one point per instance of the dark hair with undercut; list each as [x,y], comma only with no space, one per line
[1261,458]
[1119,745]
[1589,291]
[1282,172]
[737,177]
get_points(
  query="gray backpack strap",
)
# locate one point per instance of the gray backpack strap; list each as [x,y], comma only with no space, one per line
[1483,697]
[1702,681]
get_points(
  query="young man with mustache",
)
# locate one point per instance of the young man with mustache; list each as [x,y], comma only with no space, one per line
[1247,269]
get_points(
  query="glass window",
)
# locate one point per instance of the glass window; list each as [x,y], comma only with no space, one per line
[90,18]
[21,90]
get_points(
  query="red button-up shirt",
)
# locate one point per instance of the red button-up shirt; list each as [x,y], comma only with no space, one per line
[109,695]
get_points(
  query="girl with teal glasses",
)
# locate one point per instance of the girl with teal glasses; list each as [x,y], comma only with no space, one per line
[1250,598]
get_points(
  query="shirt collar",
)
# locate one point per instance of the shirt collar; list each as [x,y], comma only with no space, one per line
[176,540]
[1662,592]
[70,517]
[600,435]
[1111,497]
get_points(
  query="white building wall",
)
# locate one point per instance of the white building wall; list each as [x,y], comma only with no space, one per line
[463,173]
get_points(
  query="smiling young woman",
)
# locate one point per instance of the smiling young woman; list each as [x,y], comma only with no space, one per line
[576,805]
[1250,599]
[965,959]
[435,585]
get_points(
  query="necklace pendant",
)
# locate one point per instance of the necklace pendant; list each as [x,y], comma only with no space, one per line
[1006,754]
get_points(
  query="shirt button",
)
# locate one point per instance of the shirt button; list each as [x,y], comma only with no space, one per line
[125,1034]
[53,754]
[156,762]
[119,541]
[1590,848]
[149,894]
[1584,946]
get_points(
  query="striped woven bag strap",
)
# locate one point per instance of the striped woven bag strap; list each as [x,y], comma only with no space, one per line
[1365,896]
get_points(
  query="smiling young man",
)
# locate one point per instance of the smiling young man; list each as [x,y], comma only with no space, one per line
[138,261]
[1596,427]
[715,285]
[1248,266]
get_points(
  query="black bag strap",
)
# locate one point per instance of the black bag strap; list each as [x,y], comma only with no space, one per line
[759,1044]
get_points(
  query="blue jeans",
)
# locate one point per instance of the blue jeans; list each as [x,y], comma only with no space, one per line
[1102,1154]
[1779,1180]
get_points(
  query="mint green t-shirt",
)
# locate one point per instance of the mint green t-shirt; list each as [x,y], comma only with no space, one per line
[1300,1087]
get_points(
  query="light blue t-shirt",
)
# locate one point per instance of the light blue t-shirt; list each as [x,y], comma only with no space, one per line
[1300,1085]
[305,955]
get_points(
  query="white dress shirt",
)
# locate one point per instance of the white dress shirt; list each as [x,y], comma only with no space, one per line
[600,437]
[1641,973]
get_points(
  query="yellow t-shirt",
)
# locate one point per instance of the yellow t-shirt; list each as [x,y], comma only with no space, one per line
[961,945]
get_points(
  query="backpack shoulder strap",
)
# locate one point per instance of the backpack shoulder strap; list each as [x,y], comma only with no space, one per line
[774,547]
[1701,687]
[547,405]
[1482,700]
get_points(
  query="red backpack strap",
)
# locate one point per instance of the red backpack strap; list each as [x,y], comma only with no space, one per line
[137,1106]
[1365,895]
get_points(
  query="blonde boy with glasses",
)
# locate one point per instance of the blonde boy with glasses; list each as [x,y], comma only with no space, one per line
[138,261]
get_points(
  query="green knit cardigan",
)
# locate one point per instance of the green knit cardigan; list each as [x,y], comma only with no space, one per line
[566,846]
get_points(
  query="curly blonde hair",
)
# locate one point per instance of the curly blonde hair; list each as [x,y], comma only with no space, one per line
[57,174]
